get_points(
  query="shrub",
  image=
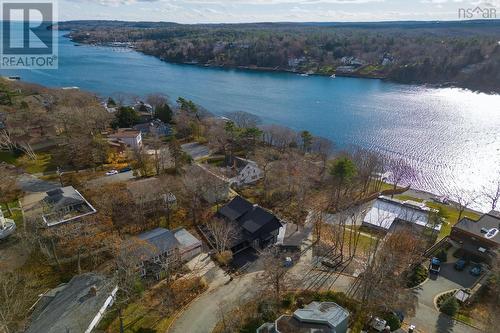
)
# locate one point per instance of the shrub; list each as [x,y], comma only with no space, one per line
[392,321]
[138,286]
[288,301]
[267,311]
[224,257]
[417,276]
[450,306]
[442,256]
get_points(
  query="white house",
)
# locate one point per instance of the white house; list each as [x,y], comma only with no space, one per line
[130,137]
[386,214]
[247,171]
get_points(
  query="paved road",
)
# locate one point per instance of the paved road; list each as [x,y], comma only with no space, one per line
[203,314]
[30,183]
[119,177]
[196,150]
[427,318]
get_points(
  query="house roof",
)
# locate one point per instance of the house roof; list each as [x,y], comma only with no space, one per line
[71,307]
[63,197]
[57,206]
[482,226]
[257,218]
[186,239]
[315,317]
[385,211]
[125,133]
[238,162]
[161,239]
[236,208]
[251,218]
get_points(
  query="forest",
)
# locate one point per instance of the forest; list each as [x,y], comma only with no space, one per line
[462,54]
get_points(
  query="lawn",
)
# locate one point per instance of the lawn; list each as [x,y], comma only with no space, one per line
[450,216]
[368,69]
[404,197]
[450,213]
[17,215]
[42,163]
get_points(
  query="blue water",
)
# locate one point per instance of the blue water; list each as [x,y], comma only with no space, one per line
[451,136]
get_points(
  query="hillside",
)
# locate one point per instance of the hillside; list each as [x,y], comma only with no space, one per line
[460,53]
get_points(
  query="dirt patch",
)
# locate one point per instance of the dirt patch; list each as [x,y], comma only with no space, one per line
[12,254]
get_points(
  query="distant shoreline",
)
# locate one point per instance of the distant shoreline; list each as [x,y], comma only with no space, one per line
[283,70]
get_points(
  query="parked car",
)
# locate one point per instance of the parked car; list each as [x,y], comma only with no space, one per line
[288,262]
[435,266]
[476,270]
[378,324]
[111,172]
[460,264]
[126,169]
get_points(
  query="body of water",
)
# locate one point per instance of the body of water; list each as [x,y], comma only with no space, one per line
[451,136]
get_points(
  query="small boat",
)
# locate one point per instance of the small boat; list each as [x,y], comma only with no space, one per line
[7,226]
[304,74]
[332,76]
[14,78]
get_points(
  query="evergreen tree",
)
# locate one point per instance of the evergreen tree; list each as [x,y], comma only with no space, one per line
[164,113]
[450,306]
[307,139]
[125,117]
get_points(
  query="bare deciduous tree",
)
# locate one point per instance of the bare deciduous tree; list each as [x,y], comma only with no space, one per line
[222,232]
[492,194]
[400,171]
[462,201]
[244,119]
[383,283]
[275,277]
[279,136]
[14,301]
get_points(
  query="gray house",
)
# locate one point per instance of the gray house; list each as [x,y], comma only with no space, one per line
[158,251]
[320,317]
[76,306]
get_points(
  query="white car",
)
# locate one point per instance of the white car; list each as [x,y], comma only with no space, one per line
[378,324]
[111,172]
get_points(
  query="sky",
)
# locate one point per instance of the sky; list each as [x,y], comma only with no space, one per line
[234,11]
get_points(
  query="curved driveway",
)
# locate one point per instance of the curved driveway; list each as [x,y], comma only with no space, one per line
[203,314]
[427,318]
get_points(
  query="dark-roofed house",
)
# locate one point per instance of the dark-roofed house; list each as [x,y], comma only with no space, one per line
[76,306]
[256,226]
[158,250]
[317,317]
[57,206]
[155,127]
[480,239]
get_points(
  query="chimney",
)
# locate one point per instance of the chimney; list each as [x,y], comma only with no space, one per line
[92,291]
